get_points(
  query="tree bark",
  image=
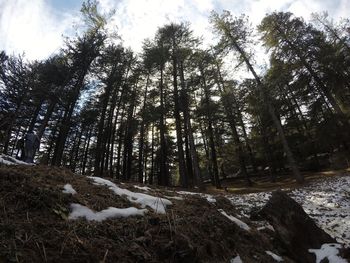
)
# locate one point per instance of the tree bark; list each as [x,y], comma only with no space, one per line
[179,141]
[86,151]
[191,153]
[164,171]
[35,115]
[46,119]
[211,133]
[142,131]
[66,122]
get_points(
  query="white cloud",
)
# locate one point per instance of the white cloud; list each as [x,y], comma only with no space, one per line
[36,27]
[137,20]
[256,9]
[31,27]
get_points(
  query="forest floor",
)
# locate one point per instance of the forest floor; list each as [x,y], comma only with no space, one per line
[264,183]
[50,214]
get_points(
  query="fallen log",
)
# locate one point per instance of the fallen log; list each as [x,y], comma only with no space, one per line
[295,230]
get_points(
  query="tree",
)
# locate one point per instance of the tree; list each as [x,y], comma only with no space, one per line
[81,53]
[155,56]
[174,36]
[278,31]
[234,35]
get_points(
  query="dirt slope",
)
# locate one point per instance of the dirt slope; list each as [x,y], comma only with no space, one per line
[34,225]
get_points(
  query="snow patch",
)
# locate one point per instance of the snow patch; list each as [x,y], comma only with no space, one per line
[267,226]
[144,188]
[328,251]
[68,189]
[9,160]
[274,256]
[236,260]
[156,203]
[79,211]
[325,201]
[187,193]
[238,222]
[209,198]
[174,197]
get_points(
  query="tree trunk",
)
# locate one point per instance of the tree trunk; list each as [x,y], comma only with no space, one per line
[98,167]
[151,175]
[164,171]
[191,153]
[128,139]
[46,119]
[10,126]
[120,144]
[142,131]
[66,122]
[76,155]
[197,174]
[211,134]
[86,151]
[35,115]
[62,135]
[179,141]
[232,121]
[207,155]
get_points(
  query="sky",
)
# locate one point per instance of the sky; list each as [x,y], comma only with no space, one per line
[36,27]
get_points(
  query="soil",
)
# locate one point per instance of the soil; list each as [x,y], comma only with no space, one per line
[34,225]
[263,183]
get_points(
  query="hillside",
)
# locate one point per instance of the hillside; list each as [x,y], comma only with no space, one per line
[50,214]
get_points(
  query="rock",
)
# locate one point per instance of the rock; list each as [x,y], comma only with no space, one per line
[295,230]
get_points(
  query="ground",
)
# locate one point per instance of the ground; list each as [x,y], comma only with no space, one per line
[325,197]
[37,222]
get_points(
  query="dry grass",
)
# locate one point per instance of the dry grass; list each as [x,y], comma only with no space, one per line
[34,225]
[264,184]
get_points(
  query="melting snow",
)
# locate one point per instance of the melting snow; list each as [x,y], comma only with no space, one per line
[274,256]
[111,212]
[8,160]
[156,203]
[187,193]
[330,252]
[238,222]
[236,260]
[326,201]
[144,188]
[68,189]
[209,198]
[267,226]
[174,197]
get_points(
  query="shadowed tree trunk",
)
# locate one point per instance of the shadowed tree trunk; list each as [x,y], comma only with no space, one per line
[142,135]
[46,119]
[213,157]
[226,97]
[191,153]
[35,115]
[86,151]
[164,172]
[179,141]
